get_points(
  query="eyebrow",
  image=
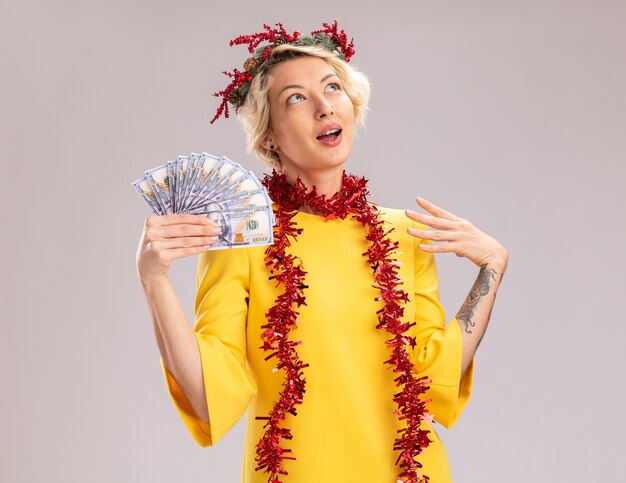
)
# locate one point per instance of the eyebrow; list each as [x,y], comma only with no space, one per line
[293,86]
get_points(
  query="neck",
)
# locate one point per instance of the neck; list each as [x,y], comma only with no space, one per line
[327,181]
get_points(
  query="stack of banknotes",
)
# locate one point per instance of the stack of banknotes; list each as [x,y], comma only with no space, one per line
[216,187]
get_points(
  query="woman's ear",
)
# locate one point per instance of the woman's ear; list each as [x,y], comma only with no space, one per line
[268,144]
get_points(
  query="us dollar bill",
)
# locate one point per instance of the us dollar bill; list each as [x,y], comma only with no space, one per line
[201,182]
[239,226]
[217,187]
[144,188]
[171,173]
[182,165]
[160,182]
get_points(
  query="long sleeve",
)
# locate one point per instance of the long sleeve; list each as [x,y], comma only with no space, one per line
[439,348]
[221,307]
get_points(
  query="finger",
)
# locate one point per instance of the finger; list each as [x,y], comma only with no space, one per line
[431,221]
[183,242]
[186,251]
[435,210]
[177,219]
[438,247]
[436,235]
[183,230]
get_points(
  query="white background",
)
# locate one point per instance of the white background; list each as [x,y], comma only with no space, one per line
[511,114]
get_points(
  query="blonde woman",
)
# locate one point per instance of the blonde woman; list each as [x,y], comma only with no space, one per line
[333,339]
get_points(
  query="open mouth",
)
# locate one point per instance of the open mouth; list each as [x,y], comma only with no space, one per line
[331,133]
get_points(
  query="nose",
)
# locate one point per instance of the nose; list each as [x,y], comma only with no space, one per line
[324,108]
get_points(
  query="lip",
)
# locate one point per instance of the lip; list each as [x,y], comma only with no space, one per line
[332,140]
[328,127]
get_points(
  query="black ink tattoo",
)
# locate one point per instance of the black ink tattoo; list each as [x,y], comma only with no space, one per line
[479,289]
[488,317]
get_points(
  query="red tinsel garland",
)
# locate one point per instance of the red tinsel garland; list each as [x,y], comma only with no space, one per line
[288,271]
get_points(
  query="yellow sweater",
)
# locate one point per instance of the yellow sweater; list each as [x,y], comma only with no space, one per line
[345,428]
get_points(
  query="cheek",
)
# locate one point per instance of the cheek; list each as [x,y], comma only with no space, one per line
[280,133]
[279,122]
[345,98]
[347,106]
[293,131]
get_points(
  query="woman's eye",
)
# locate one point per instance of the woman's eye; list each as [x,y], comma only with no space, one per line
[335,85]
[294,98]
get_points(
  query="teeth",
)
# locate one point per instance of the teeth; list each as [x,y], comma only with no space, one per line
[331,131]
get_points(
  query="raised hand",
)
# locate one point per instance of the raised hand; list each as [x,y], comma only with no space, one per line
[168,237]
[458,235]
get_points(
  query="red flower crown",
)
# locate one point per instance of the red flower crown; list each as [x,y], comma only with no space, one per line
[235,93]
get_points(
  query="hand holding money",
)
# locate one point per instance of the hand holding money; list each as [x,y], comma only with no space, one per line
[216,188]
[168,237]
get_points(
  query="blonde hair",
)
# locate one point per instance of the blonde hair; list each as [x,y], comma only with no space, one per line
[254,114]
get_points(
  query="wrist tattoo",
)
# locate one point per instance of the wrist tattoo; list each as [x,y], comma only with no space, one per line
[480,288]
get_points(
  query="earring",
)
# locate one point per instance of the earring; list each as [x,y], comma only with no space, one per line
[272,147]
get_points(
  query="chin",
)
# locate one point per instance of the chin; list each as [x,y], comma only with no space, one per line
[333,161]
[338,155]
